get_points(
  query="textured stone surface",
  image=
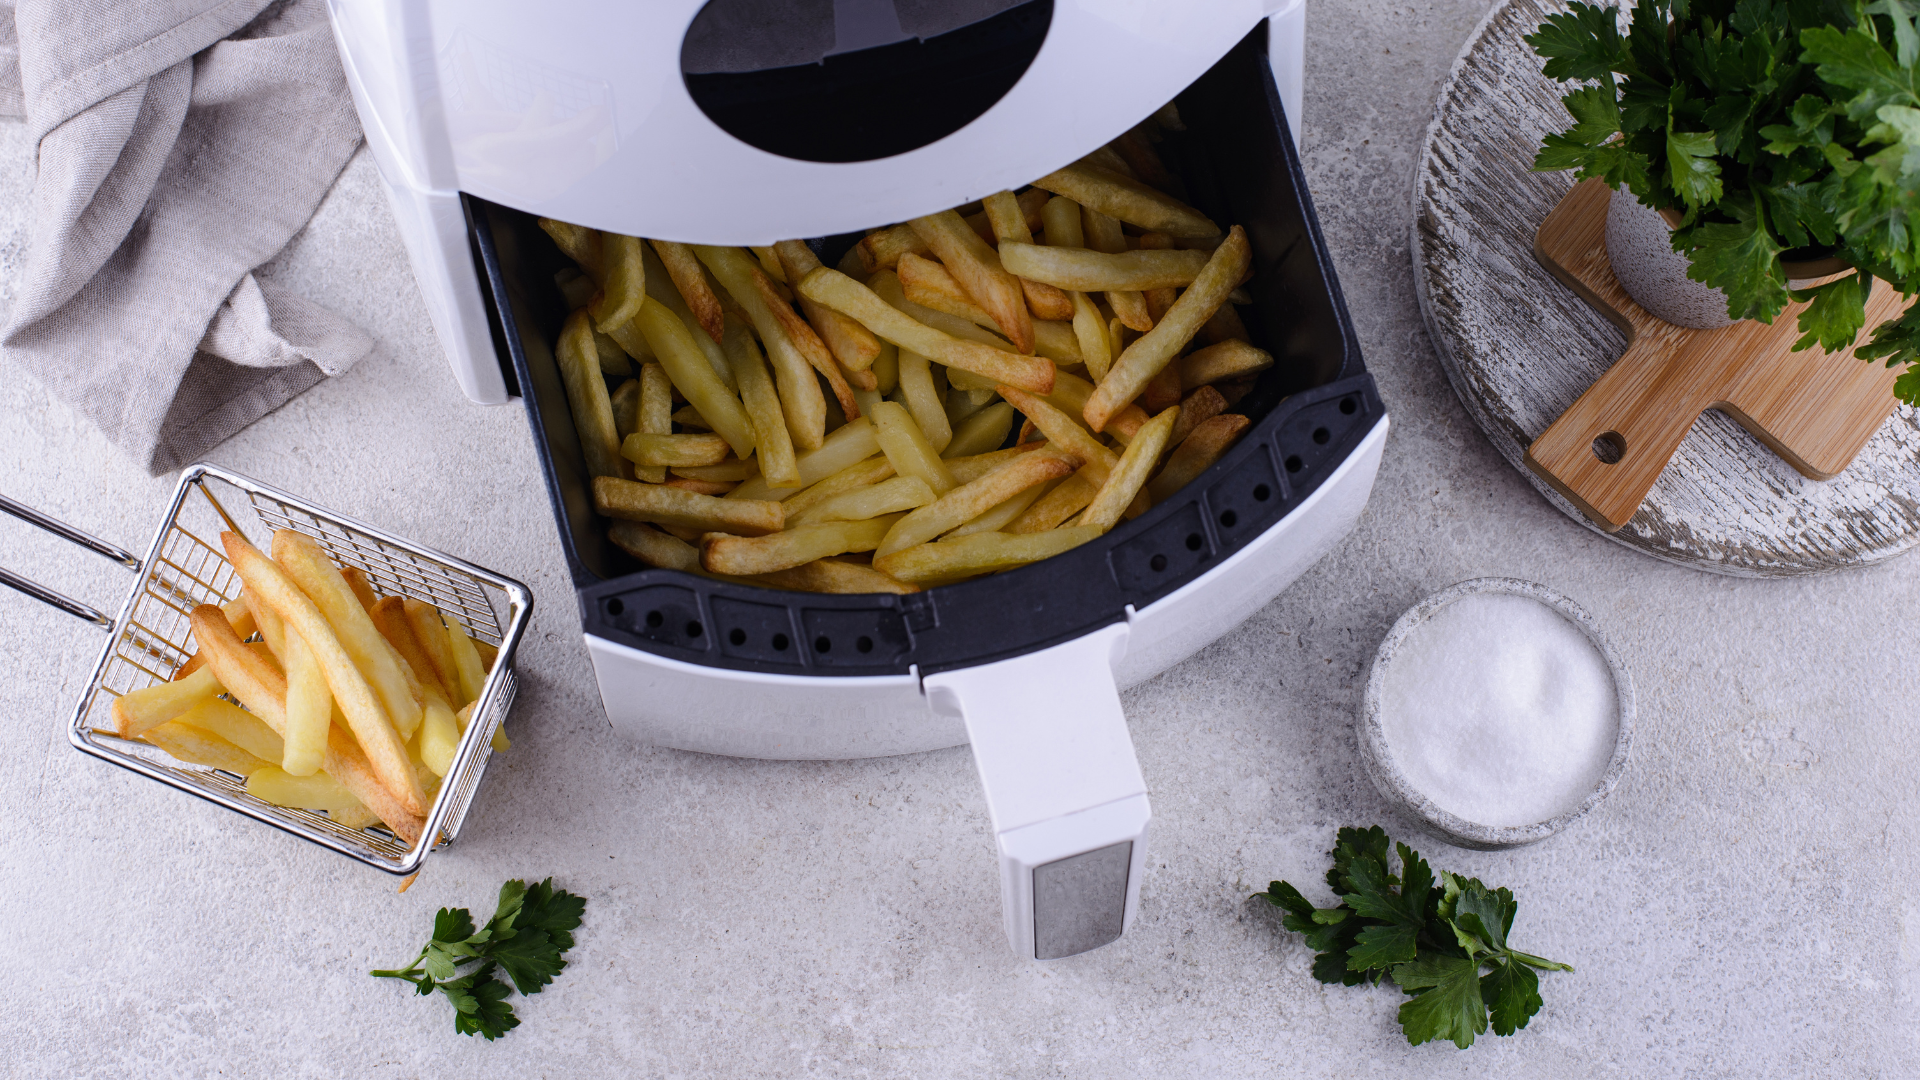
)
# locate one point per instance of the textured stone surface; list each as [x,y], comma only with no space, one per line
[1741,906]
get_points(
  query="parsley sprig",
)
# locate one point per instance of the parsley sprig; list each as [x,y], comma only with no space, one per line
[527,938]
[1444,944]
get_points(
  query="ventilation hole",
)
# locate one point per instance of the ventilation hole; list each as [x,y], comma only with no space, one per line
[654,618]
[1158,562]
[1321,435]
[1348,406]
[780,643]
[821,644]
[694,629]
[1229,518]
[863,643]
[1294,463]
[1610,447]
[1194,541]
[615,606]
[737,636]
[1261,492]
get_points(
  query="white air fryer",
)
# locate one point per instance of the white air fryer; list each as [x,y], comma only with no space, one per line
[751,121]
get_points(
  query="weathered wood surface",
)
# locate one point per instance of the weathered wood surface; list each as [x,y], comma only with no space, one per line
[1813,408]
[1520,347]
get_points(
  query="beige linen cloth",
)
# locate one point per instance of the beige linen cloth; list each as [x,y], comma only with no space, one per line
[182,143]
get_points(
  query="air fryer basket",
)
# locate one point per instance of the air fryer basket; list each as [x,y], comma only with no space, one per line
[1310,410]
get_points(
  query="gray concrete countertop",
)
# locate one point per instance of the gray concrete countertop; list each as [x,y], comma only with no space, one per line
[1741,906]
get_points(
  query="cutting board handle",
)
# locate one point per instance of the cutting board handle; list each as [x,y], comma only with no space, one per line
[1605,452]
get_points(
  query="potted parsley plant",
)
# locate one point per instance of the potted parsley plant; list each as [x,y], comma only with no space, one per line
[1768,134]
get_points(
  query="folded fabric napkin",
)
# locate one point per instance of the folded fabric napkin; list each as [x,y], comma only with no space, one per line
[181,143]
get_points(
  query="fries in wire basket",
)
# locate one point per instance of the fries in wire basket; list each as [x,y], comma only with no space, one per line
[349,702]
[788,424]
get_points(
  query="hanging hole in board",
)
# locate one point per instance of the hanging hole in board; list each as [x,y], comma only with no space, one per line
[1609,447]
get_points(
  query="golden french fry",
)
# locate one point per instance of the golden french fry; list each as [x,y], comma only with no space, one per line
[798,330]
[673,343]
[906,446]
[587,396]
[242,620]
[576,288]
[849,444]
[623,283]
[849,297]
[1105,157]
[660,504]
[352,626]
[274,584]
[1203,404]
[1061,218]
[917,393]
[1084,270]
[1162,390]
[1090,330]
[661,289]
[1055,507]
[800,396]
[983,431]
[356,580]
[1130,475]
[309,702]
[834,576]
[1128,200]
[316,792]
[982,553]
[1070,394]
[699,487]
[1157,348]
[1140,156]
[664,450]
[744,556]
[1064,432]
[691,281]
[887,497]
[1197,452]
[1224,360]
[688,416]
[237,726]
[139,711]
[769,261]
[852,344]
[886,368]
[625,400]
[582,245]
[858,475]
[473,672]
[197,746]
[653,412]
[611,354]
[431,633]
[972,467]
[653,547]
[977,268]
[998,518]
[390,618]
[1224,326]
[250,677]
[968,501]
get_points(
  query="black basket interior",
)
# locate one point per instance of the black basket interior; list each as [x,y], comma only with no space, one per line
[1310,410]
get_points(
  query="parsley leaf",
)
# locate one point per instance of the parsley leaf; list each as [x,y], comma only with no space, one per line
[1433,940]
[531,930]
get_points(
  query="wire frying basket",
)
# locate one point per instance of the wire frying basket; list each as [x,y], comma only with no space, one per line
[185,567]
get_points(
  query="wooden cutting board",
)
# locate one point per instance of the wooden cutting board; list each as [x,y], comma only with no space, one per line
[1815,409]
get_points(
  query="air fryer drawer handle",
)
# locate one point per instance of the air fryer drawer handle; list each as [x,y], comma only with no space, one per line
[1064,789]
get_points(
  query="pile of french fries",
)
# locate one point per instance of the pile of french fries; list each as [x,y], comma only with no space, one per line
[350,702]
[788,424]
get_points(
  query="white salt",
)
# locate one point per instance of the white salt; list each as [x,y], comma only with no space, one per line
[1500,710]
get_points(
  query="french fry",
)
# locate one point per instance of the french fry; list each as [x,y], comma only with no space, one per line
[237,726]
[653,413]
[983,431]
[852,443]
[979,554]
[887,497]
[917,394]
[659,504]
[858,475]
[688,416]
[1203,404]
[1105,157]
[352,625]
[1140,156]
[849,297]
[466,658]
[1085,270]
[576,288]
[653,547]
[200,747]
[1224,360]
[977,267]
[673,343]
[691,281]
[316,792]
[698,487]
[852,344]
[1144,359]
[356,580]
[1064,432]
[1209,439]
[1005,514]
[968,501]
[309,702]
[834,576]
[665,450]
[744,556]
[623,284]
[1010,225]
[730,471]
[1130,475]
[1224,326]
[587,397]
[1128,200]
[242,620]
[800,396]
[1090,330]
[769,261]
[886,368]
[613,356]
[1162,390]
[139,711]
[802,335]
[243,673]
[431,633]
[906,446]
[967,469]
[1062,220]
[1070,394]
[1104,235]
[580,244]
[439,734]
[381,747]
[660,288]
[625,400]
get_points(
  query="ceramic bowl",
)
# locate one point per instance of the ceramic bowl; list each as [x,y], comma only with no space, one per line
[1393,782]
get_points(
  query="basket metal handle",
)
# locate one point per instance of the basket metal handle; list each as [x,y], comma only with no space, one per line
[73,536]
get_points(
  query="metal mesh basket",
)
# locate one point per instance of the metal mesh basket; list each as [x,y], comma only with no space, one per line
[185,567]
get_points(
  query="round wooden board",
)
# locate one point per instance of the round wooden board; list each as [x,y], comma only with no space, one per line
[1519,346]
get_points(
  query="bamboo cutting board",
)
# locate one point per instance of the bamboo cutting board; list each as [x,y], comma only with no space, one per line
[1815,409]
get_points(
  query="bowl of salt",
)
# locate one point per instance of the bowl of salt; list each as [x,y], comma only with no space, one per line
[1496,713]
